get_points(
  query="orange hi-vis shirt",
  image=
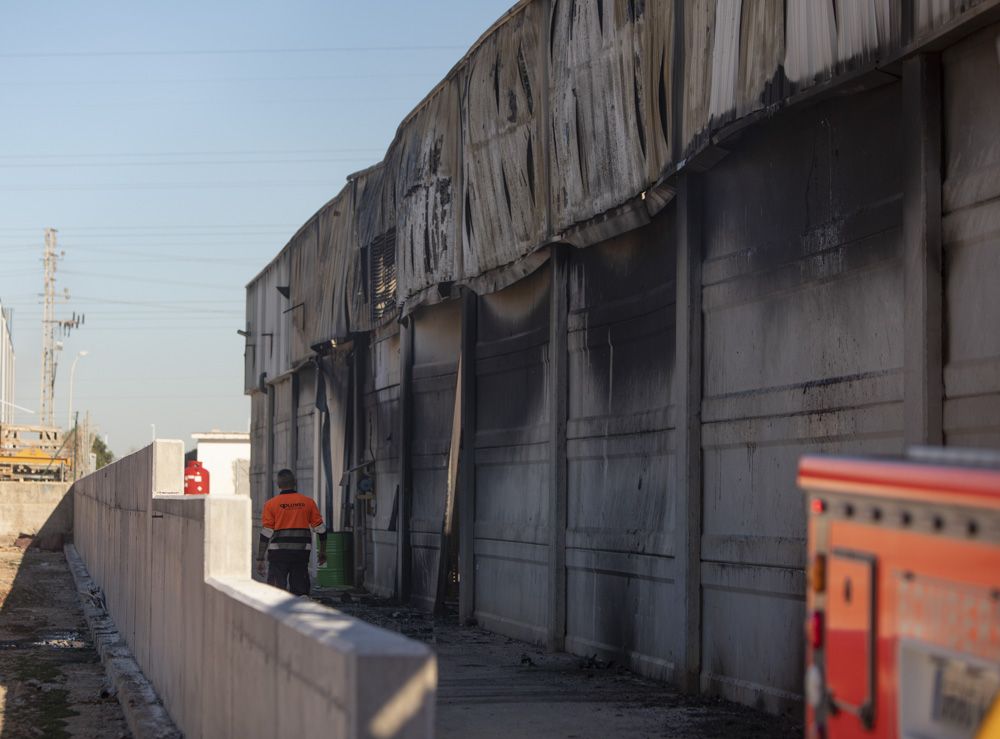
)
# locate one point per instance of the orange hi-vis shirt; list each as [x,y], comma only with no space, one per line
[289,521]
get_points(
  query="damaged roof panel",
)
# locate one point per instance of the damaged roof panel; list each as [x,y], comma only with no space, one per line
[504,197]
[426,154]
[607,103]
[699,41]
[562,113]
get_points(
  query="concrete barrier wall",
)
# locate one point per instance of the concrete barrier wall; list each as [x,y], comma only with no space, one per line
[36,508]
[231,657]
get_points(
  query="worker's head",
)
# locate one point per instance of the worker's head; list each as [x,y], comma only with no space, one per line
[286,480]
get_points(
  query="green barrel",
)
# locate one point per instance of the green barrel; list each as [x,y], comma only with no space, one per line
[337,570]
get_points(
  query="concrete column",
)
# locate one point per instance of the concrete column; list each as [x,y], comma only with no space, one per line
[293,452]
[923,391]
[687,394]
[357,456]
[318,491]
[269,472]
[558,403]
[406,331]
[467,462]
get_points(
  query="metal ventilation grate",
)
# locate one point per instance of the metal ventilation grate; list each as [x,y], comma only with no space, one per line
[382,274]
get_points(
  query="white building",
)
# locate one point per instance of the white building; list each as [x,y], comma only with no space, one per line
[226,456]
[6,368]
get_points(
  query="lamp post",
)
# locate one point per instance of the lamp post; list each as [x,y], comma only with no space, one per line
[72,378]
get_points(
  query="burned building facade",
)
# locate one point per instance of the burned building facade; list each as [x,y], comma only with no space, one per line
[561,349]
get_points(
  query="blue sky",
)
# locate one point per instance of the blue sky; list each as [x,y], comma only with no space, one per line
[176,146]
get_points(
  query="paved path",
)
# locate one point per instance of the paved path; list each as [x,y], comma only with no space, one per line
[52,683]
[492,687]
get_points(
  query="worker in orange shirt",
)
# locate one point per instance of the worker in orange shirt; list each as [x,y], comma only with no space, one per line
[289,521]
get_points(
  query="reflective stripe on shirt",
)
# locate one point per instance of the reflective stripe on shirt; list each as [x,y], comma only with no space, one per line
[291,539]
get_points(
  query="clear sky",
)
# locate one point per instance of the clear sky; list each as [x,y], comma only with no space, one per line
[177,146]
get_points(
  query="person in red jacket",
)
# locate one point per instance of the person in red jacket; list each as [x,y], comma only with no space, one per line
[288,523]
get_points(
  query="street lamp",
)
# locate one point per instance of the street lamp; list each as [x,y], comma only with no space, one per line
[72,377]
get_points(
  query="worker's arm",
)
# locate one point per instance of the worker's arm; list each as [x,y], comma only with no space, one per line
[319,528]
[266,532]
[265,539]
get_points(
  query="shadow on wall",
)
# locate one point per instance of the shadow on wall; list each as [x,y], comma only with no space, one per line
[51,679]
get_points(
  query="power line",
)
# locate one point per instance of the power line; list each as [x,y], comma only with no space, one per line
[36,165]
[220,52]
[155,226]
[159,103]
[153,303]
[102,187]
[200,152]
[156,281]
[189,80]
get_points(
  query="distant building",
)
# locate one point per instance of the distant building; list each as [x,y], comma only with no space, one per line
[6,368]
[226,456]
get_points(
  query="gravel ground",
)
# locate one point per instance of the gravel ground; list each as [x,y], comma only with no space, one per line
[52,683]
[493,687]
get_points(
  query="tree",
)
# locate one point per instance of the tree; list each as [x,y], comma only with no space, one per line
[104,455]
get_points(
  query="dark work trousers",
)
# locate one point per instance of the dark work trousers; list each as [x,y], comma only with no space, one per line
[292,576]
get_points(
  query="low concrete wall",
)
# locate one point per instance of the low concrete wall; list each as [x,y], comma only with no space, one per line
[43,509]
[231,657]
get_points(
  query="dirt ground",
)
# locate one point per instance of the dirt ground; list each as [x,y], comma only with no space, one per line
[52,683]
[493,687]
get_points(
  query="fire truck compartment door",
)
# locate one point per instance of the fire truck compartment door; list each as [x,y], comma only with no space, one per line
[851,633]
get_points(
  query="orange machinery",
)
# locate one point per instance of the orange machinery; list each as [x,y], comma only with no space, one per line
[903,619]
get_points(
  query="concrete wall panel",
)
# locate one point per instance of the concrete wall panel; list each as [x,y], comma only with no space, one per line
[803,350]
[767,603]
[620,580]
[512,457]
[621,606]
[435,365]
[37,508]
[971,236]
[305,428]
[382,448]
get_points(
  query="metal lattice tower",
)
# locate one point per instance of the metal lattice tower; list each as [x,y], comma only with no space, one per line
[48,376]
[49,323]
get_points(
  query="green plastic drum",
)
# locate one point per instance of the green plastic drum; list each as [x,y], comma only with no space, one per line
[336,573]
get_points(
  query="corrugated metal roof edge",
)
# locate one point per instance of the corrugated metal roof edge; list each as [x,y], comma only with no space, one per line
[518,7]
[295,235]
[503,20]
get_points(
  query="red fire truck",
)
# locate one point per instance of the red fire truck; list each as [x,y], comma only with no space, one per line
[903,619]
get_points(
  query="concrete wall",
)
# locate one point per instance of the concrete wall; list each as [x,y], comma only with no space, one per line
[621,530]
[803,352]
[231,657]
[36,508]
[511,458]
[437,330]
[381,433]
[304,464]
